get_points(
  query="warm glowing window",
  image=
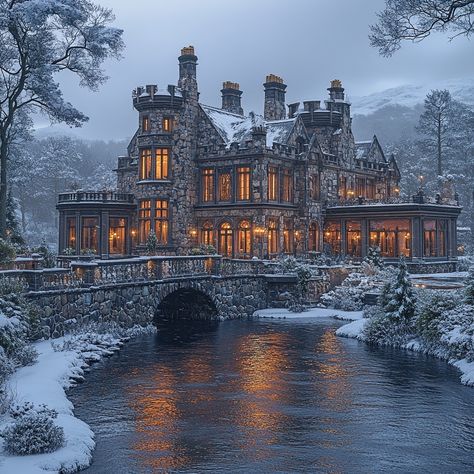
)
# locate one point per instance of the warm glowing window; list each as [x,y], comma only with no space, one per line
[207,234]
[161,163]
[71,232]
[313,242]
[161,220]
[332,238]
[145,164]
[353,239]
[167,124]
[145,123]
[244,239]
[287,186]
[207,184]
[273,236]
[117,232]
[243,183]
[272,183]
[225,186]
[288,240]
[225,239]
[392,236]
[144,220]
[90,233]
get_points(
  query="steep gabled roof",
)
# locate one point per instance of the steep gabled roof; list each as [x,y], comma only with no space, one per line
[234,128]
[364,150]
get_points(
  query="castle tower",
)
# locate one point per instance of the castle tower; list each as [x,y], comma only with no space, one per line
[231,98]
[275,90]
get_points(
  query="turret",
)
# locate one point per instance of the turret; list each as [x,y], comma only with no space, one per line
[231,97]
[275,91]
[336,91]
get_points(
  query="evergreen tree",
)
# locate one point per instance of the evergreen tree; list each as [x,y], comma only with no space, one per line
[398,299]
[469,288]
[151,243]
[13,228]
[373,257]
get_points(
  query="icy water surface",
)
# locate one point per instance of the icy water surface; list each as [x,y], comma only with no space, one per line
[274,397]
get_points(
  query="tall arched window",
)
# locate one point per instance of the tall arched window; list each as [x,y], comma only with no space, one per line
[207,233]
[225,239]
[313,240]
[273,236]
[244,239]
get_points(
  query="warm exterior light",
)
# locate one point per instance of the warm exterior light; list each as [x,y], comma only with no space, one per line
[193,232]
[259,231]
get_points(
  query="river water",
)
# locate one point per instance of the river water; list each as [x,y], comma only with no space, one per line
[274,396]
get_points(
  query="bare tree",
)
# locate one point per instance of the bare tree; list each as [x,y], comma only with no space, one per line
[415,20]
[38,40]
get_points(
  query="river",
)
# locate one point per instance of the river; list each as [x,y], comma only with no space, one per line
[274,396]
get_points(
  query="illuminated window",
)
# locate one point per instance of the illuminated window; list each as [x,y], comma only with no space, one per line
[343,187]
[145,164]
[243,183]
[225,239]
[332,237]
[353,239]
[167,124]
[144,220]
[207,234]
[273,236]
[161,163]
[71,232]
[207,184]
[244,239]
[117,232]
[392,236]
[272,183]
[313,241]
[288,239]
[287,186]
[90,233]
[225,186]
[145,123]
[161,221]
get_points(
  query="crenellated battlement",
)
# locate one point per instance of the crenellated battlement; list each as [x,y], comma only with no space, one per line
[151,96]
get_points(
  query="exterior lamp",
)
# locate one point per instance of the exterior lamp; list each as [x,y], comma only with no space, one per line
[259,231]
[193,232]
[133,232]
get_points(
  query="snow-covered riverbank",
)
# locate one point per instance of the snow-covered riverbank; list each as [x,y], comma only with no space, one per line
[61,364]
[282,313]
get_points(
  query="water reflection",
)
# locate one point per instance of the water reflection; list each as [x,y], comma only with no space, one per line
[273,397]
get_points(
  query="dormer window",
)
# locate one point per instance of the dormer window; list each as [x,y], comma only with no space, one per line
[145,123]
[167,124]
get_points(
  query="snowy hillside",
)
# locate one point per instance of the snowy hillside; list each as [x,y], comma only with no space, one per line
[410,95]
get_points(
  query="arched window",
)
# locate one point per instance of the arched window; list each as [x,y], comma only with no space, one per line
[225,239]
[207,233]
[313,240]
[244,239]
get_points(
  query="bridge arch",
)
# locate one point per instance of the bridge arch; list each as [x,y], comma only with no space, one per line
[186,304]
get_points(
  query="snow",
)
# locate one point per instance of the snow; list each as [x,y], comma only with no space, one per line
[353,329]
[45,383]
[283,313]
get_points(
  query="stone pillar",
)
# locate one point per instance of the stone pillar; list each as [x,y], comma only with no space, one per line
[275,90]
[416,238]
[104,235]
[231,98]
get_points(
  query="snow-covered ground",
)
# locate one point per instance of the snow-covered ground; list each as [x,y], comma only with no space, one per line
[45,382]
[281,313]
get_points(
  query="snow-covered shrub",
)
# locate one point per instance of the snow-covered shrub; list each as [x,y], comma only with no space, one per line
[151,243]
[431,308]
[469,287]
[33,431]
[465,262]
[203,249]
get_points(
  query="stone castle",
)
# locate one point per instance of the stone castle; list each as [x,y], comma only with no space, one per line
[291,182]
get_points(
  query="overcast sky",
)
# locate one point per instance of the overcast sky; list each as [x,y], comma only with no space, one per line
[307,42]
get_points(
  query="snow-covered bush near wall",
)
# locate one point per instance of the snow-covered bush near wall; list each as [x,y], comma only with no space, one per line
[33,431]
[349,296]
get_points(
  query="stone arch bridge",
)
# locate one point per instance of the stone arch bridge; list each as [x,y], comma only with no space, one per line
[146,289]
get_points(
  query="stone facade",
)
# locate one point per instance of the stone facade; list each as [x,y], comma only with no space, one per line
[247,185]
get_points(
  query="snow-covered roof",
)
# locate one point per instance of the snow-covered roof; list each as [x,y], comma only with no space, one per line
[362,149]
[234,128]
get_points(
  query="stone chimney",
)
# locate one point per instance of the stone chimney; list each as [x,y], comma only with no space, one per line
[275,91]
[187,71]
[231,98]
[336,91]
